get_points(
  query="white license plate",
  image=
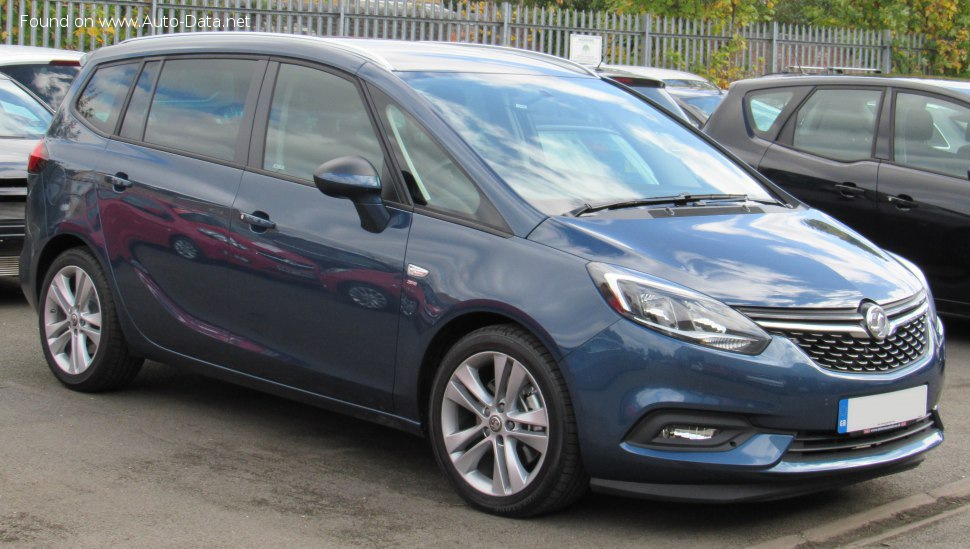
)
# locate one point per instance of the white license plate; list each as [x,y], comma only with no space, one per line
[878,412]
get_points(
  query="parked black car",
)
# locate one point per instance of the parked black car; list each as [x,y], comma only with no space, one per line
[888,156]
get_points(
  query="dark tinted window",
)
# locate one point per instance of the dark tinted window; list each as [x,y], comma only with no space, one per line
[49,82]
[837,124]
[765,106]
[932,134]
[315,117]
[199,104]
[102,99]
[134,122]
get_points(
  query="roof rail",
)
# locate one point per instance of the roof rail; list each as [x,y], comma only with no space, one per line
[339,43]
[810,69]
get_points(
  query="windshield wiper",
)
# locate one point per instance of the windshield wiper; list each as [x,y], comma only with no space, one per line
[677,200]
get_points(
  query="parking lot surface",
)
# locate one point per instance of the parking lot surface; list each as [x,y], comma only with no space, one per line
[178,459]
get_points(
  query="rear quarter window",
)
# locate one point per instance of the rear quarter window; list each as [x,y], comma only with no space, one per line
[764,107]
[104,95]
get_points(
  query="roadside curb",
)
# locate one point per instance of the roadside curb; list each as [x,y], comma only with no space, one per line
[842,527]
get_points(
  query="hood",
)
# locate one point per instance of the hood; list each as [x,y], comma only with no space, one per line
[792,258]
[13,157]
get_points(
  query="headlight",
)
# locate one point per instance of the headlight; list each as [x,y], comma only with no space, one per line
[677,311]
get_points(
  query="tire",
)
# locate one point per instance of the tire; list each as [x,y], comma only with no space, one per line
[83,355]
[366,296]
[186,249]
[533,413]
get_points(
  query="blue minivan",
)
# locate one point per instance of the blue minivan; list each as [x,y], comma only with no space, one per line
[556,282]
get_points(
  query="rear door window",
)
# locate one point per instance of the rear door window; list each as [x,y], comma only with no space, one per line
[134,123]
[104,95]
[838,123]
[199,105]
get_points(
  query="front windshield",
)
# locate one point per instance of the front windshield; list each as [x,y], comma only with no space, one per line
[562,143]
[21,116]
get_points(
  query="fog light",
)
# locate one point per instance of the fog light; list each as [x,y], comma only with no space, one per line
[688,432]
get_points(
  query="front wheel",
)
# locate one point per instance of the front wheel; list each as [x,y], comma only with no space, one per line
[79,329]
[502,426]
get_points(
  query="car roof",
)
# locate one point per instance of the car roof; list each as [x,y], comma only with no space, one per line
[19,55]
[392,55]
[954,88]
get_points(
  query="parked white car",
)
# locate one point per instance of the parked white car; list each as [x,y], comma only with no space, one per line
[47,72]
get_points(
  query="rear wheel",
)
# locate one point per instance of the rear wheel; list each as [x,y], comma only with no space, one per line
[79,329]
[186,248]
[502,425]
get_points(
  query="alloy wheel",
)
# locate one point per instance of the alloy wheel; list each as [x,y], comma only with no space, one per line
[494,424]
[72,320]
[367,297]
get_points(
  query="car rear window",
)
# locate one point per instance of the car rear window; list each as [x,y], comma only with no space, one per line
[199,105]
[104,95]
[21,116]
[49,82]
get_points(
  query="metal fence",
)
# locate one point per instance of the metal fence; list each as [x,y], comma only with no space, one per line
[636,39]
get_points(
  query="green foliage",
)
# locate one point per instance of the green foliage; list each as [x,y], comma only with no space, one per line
[728,16]
[945,24]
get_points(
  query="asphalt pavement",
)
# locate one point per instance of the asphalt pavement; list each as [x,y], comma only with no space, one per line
[181,460]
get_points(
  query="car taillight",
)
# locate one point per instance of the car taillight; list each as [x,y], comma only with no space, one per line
[66,63]
[623,80]
[38,157]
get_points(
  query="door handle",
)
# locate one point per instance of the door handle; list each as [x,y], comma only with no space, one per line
[849,190]
[119,181]
[256,221]
[903,202]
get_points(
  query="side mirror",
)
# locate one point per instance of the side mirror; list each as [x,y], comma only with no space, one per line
[355,178]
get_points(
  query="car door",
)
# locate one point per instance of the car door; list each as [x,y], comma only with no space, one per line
[315,296]
[169,177]
[924,191]
[824,155]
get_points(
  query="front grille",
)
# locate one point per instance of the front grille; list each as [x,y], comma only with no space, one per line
[812,444]
[9,266]
[837,339]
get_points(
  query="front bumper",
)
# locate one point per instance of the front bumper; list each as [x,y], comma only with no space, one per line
[628,373]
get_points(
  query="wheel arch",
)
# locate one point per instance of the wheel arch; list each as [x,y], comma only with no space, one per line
[62,242]
[451,332]
[54,247]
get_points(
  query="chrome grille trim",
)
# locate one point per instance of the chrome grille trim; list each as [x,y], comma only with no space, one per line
[10,266]
[836,339]
[811,444]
